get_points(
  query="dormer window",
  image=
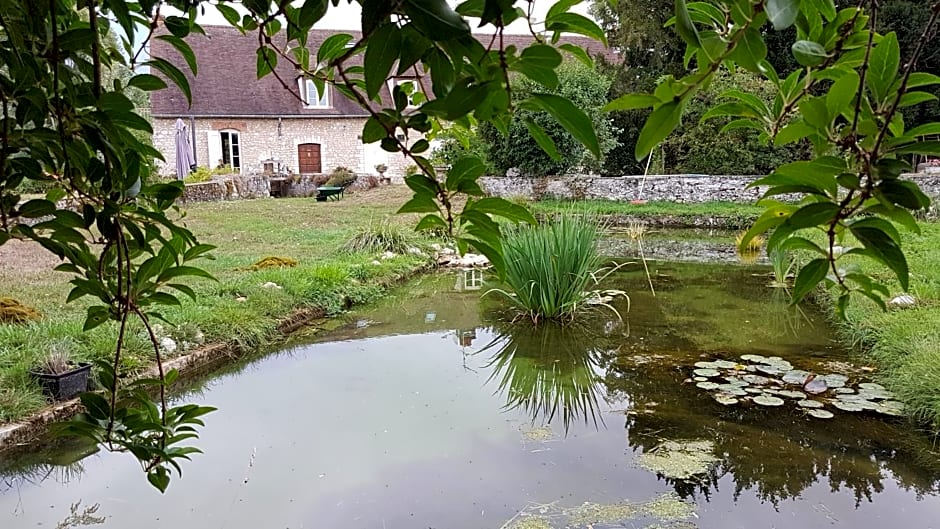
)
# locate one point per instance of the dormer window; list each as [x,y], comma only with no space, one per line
[312,97]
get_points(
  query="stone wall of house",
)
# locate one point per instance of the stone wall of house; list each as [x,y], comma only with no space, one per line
[263,139]
[672,188]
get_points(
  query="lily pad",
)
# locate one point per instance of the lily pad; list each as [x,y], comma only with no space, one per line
[726,399]
[871,386]
[768,400]
[769,370]
[700,379]
[792,394]
[820,414]
[756,380]
[844,391]
[846,405]
[806,403]
[725,364]
[836,380]
[707,386]
[816,386]
[890,407]
[796,377]
[757,359]
[753,390]
[735,381]
[705,365]
[706,373]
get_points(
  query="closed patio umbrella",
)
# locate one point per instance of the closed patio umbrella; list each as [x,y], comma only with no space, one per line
[184,152]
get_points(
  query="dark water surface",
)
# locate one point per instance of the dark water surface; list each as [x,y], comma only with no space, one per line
[420,414]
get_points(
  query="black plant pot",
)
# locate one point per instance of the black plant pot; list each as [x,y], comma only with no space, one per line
[64,386]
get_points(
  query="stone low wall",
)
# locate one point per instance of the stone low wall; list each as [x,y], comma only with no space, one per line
[671,188]
[229,188]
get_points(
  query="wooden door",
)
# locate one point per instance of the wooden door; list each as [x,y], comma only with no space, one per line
[308,155]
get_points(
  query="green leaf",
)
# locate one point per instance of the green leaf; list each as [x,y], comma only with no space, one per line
[467,168]
[808,53]
[631,102]
[382,52]
[819,174]
[929,148]
[95,405]
[229,13]
[436,19]
[544,140]
[685,28]
[880,246]
[538,62]
[575,23]
[876,223]
[910,99]
[504,208]
[431,222]
[919,79]
[37,208]
[927,129]
[173,74]
[782,13]
[658,125]
[95,316]
[184,49]
[578,53]
[793,132]
[883,66]
[570,117]
[842,93]
[158,477]
[812,215]
[146,82]
[771,218]
[333,47]
[750,50]
[311,12]
[267,61]
[810,275]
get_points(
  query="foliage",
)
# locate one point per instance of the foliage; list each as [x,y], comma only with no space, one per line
[583,86]
[380,237]
[550,268]
[703,147]
[846,100]
[341,177]
[455,142]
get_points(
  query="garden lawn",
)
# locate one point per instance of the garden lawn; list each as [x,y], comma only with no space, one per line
[236,308]
[905,343]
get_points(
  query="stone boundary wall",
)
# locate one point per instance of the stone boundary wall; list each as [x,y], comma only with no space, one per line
[235,187]
[671,188]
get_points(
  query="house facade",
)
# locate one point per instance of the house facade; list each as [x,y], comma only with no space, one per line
[257,125]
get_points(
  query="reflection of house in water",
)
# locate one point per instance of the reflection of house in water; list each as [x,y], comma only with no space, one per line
[465,337]
[469,279]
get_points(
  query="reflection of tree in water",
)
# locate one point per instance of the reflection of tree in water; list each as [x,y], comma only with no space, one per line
[777,453]
[549,370]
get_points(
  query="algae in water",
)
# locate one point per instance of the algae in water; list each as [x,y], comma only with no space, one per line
[679,459]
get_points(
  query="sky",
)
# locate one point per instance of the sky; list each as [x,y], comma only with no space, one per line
[346,16]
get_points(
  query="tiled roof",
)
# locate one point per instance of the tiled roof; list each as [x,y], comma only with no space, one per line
[227,83]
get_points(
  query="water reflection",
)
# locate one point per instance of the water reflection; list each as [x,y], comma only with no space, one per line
[550,370]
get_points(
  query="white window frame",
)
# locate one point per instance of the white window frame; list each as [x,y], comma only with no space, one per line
[237,167]
[307,87]
[416,87]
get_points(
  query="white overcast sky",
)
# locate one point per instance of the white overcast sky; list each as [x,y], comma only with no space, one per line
[346,16]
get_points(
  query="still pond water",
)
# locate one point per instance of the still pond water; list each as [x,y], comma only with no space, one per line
[424,413]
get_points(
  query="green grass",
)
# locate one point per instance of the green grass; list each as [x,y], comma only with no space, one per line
[238,307]
[905,343]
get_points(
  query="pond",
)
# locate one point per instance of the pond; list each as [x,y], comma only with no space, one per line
[421,412]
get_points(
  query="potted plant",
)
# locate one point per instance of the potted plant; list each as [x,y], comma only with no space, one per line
[61,378]
[381,168]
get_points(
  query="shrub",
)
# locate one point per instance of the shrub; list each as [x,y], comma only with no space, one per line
[341,177]
[201,174]
[550,267]
[380,237]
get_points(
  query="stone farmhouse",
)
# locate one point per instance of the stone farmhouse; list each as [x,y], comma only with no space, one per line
[259,126]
